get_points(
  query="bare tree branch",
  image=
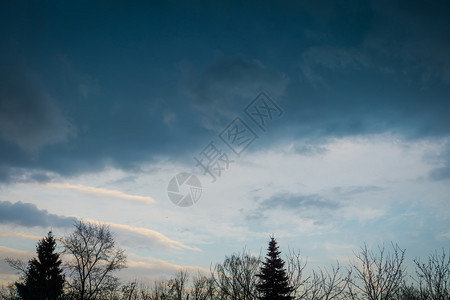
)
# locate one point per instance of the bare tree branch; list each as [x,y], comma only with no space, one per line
[380,274]
[94,258]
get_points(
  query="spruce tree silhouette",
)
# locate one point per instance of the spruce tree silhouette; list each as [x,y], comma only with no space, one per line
[44,277]
[274,282]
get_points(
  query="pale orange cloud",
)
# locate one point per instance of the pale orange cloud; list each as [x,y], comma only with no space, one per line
[153,235]
[161,266]
[9,234]
[101,192]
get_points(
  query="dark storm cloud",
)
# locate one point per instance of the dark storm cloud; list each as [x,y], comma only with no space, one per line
[11,174]
[29,117]
[27,214]
[239,76]
[414,34]
[393,79]
[226,86]
[155,81]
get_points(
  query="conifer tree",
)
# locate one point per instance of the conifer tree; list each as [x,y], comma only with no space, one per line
[44,277]
[274,281]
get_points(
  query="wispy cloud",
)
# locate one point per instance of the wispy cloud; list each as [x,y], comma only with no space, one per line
[9,234]
[291,201]
[14,253]
[444,235]
[348,191]
[443,171]
[155,236]
[101,192]
[8,274]
[159,266]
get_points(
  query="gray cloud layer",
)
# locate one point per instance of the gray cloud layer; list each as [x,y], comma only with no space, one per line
[319,207]
[162,81]
[29,117]
[27,214]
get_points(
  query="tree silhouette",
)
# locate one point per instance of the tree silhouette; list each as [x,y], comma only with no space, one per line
[235,277]
[434,275]
[274,282]
[95,257]
[44,277]
[380,275]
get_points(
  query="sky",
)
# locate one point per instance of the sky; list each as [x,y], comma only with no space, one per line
[324,123]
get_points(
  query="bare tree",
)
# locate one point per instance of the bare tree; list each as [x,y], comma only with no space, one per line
[410,292]
[94,256]
[129,291]
[295,270]
[178,284]
[236,277]
[9,292]
[144,291]
[381,274]
[19,265]
[160,291]
[328,284]
[203,287]
[434,275]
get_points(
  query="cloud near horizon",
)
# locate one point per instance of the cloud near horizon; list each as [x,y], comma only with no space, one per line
[155,237]
[159,266]
[28,214]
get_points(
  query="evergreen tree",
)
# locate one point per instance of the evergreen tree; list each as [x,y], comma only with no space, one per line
[274,281]
[44,278]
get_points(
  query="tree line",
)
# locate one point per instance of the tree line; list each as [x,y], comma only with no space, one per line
[92,259]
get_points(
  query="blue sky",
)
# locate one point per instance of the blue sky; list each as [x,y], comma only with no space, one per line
[102,103]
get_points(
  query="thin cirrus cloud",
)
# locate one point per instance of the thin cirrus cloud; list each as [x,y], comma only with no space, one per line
[159,266]
[291,201]
[14,253]
[101,192]
[6,272]
[309,206]
[330,202]
[20,235]
[152,235]
[442,172]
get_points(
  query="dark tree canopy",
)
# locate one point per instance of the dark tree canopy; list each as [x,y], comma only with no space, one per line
[44,277]
[274,281]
